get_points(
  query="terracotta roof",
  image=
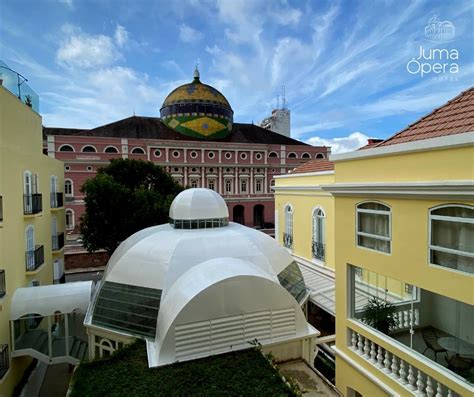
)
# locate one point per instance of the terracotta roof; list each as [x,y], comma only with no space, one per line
[454,117]
[316,165]
[153,128]
[371,142]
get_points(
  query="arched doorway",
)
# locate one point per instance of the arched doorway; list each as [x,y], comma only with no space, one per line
[258,217]
[238,214]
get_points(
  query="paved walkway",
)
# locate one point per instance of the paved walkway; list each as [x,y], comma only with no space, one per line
[56,381]
[308,380]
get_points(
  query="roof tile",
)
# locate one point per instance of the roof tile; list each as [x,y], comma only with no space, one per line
[316,165]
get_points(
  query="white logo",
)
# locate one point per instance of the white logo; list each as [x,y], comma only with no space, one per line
[439,31]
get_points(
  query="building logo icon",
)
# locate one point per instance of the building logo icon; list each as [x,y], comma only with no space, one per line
[439,31]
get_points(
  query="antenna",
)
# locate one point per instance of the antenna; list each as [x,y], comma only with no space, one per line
[283,97]
[278,101]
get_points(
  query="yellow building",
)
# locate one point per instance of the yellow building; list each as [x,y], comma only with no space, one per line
[403,246]
[31,214]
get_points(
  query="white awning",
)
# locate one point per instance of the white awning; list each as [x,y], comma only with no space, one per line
[48,299]
[322,287]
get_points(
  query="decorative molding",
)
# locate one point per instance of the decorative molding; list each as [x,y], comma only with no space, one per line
[316,173]
[364,372]
[444,142]
[450,190]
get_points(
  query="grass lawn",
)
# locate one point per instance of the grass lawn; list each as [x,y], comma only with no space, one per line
[126,373]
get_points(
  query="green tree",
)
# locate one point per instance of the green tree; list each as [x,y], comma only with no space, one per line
[123,198]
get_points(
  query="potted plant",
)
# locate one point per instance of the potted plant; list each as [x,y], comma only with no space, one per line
[380,315]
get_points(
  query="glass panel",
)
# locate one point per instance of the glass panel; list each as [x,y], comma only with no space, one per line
[460,212]
[432,325]
[373,206]
[292,279]
[453,261]
[374,243]
[127,308]
[376,224]
[454,235]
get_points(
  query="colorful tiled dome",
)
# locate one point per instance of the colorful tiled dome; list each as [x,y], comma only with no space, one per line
[197,110]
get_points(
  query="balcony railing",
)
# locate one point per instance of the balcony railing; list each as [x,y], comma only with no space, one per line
[318,250]
[2,283]
[34,259]
[32,203]
[57,200]
[415,381]
[58,241]
[288,240]
[16,84]
[4,360]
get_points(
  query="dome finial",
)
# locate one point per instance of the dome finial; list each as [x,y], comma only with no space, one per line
[196,73]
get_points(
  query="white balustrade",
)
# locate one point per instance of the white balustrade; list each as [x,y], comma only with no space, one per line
[413,379]
[406,318]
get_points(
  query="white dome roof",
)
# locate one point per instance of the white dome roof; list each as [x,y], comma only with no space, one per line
[198,204]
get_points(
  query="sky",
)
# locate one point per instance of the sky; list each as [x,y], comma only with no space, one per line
[343,63]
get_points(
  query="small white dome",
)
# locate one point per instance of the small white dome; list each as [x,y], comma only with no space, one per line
[200,203]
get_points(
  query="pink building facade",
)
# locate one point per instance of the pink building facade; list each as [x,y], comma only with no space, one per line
[241,172]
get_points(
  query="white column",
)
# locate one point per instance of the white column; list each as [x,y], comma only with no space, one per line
[251,181]
[185,153]
[185,171]
[277,226]
[236,190]
[220,188]
[203,175]
[167,154]
[124,143]
[51,148]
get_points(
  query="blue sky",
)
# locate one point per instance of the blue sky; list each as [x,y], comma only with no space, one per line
[343,62]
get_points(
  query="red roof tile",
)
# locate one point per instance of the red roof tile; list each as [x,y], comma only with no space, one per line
[454,117]
[314,166]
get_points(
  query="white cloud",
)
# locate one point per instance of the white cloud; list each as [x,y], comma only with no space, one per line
[83,50]
[341,145]
[121,35]
[288,53]
[285,15]
[189,35]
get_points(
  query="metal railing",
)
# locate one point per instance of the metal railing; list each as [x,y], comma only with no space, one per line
[4,360]
[32,203]
[16,84]
[1,209]
[58,241]
[57,200]
[34,259]
[318,250]
[288,240]
[3,290]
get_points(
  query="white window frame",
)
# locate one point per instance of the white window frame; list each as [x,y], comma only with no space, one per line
[443,249]
[71,194]
[211,182]
[228,183]
[244,182]
[89,145]
[194,181]
[65,151]
[111,147]
[257,182]
[375,236]
[292,155]
[314,234]
[70,226]
[141,150]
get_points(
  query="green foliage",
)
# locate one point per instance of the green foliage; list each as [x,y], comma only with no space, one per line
[380,314]
[126,373]
[123,198]
[28,101]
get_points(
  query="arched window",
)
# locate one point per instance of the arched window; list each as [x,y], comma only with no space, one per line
[138,150]
[69,219]
[318,244]
[111,149]
[374,226]
[273,155]
[306,156]
[68,188]
[320,156]
[66,148]
[88,149]
[292,155]
[452,237]
[288,234]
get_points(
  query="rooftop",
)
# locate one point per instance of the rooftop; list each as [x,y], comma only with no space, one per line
[245,372]
[317,165]
[153,128]
[454,117]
